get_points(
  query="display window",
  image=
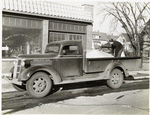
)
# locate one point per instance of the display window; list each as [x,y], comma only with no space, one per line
[20,35]
[16,41]
[66,31]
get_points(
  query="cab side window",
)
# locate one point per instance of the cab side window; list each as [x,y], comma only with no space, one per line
[70,50]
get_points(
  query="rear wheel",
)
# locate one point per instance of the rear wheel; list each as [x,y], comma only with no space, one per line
[39,85]
[116,79]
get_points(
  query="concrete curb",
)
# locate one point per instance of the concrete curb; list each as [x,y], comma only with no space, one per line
[143,77]
[137,73]
[143,73]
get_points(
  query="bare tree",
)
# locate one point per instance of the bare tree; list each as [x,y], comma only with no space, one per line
[132,17]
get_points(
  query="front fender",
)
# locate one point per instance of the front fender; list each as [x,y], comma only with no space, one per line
[27,73]
[112,66]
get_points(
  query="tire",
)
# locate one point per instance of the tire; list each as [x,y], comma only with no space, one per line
[116,79]
[39,85]
[18,87]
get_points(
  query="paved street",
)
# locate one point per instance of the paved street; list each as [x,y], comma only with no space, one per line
[82,98]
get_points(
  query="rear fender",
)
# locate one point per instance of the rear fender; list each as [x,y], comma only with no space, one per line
[26,74]
[112,66]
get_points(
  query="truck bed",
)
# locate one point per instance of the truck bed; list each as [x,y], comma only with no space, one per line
[99,64]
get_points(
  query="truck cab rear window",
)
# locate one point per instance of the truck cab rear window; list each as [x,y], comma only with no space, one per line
[70,50]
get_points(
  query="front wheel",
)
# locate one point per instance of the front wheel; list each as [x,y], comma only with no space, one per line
[39,85]
[116,79]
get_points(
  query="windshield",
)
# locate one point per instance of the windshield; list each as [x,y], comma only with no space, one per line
[52,48]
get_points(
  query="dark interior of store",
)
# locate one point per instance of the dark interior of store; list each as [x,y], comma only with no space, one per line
[20,41]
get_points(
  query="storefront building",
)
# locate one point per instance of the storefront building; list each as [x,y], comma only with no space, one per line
[28,26]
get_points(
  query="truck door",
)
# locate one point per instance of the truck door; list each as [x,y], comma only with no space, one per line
[71,61]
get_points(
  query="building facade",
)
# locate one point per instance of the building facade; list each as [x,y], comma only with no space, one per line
[29,25]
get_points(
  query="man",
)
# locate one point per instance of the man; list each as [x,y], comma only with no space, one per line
[116,47]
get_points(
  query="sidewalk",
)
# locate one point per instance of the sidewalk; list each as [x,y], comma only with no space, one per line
[142,73]
[145,66]
[6,86]
[139,74]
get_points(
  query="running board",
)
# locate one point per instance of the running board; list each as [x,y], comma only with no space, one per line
[84,78]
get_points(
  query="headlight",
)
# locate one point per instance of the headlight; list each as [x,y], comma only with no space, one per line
[22,63]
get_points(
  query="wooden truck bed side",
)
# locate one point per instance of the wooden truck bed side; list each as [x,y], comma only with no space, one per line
[99,64]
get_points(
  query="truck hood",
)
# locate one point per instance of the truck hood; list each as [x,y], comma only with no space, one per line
[37,56]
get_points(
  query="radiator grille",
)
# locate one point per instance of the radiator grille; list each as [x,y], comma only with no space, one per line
[19,62]
[18,68]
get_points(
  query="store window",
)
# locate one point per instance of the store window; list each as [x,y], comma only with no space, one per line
[76,37]
[58,36]
[67,27]
[59,31]
[20,36]
[55,36]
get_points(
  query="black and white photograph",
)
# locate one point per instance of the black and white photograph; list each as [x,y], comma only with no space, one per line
[75,57]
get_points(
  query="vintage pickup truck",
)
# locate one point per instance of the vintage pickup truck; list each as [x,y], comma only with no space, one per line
[66,62]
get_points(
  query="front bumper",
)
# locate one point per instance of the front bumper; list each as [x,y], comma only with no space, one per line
[10,79]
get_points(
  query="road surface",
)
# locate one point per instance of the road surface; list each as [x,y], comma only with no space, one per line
[82,98]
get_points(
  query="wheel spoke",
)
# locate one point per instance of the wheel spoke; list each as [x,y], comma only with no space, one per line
[113,77]
[43,82]
[37,89]
[40,89]
[114,82]
[43,86]
[40,80]
[35,84]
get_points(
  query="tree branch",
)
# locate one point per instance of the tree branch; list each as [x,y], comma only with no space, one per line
[141,11]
